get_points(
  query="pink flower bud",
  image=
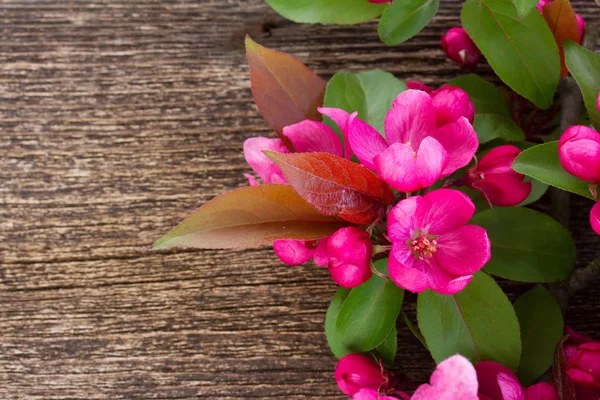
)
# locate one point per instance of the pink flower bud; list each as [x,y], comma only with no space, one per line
[580,27]
[349,251]
[294,252]
[583,365]
[595,218]
[451,103]
[416,85]
[579,153]
[321,257]
[356,371]
[459,47]
[496,180]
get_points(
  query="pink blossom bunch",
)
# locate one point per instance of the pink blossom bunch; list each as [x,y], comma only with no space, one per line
[454,379]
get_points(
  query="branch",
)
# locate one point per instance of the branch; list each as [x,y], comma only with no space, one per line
[580,279]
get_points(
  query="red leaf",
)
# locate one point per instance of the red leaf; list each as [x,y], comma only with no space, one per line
[251,216]
[562,20]
[284,90]
[336,186]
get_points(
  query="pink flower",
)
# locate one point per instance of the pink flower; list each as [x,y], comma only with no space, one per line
[579,153]
[371,394]
[496,382]
[341,118]
[451,103]
[306,136]
[459,47]
[496,180]
[349,252]
[570,349]
[453,379]
[595,218]
[356,371]
[294,252]
[583,363]
[417,152]
[432,247]
[416,85]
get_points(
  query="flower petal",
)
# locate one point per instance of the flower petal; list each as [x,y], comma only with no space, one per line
[503,190]
[401,218]
[294,252]
[411,118]
[398,167]
[541,391]
[432,159]
[258,161]
[311,136]
[451,103]
[579,153]
[340,117]
[446,209]
[463,251]
[498,382]
[453,379]
[595,218]
[365,141]
[460,141]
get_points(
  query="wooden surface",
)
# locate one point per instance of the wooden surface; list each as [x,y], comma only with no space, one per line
[119,117]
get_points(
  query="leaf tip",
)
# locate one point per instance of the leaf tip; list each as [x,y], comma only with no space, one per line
[162,242]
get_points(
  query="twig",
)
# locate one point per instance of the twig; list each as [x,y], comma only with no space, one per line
[580,279]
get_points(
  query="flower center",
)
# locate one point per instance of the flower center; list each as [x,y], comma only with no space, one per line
[423,246]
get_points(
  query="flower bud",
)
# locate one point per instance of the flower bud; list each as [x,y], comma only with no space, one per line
[294,252]
[579,153]
[580,27]
[459,47]
[349,251]
[583,365]
[496,180]
[451,103]
[595,218]
[356,371]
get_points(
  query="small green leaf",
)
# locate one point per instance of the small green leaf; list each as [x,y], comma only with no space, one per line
[485,96]
[388,348]
[524,6]
[404,19]
[337,347]
[542,163]
[370,93]
[327,11]
[523,53]
[527,246]
[541,329]
[479,322]
[584,65]
[369,312]
[491,126]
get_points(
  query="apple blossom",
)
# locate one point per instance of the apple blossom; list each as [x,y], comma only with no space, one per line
[357,371]
[417,152]
[496,180]
[349,252]
[579,153]
[453,379]
[459,47]
[451,103]
[432,247]
[496,382]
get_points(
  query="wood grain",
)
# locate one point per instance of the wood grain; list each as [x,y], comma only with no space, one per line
[117,118]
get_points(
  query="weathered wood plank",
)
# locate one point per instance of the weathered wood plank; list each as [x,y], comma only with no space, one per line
[119,117]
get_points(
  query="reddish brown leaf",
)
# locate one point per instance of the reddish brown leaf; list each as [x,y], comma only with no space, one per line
[562,20]
[336,186]
[284,90]
[251,216]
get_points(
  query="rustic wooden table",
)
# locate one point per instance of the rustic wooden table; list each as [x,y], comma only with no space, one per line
[119,117]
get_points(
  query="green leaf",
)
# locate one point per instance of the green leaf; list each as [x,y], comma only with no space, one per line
[327,11]
[584,65]
[404,19]
[337,347]
[479,322]
[490,126]
[537,191]
[541,329]
[522,53]
[542,163]
[524,6]
[485,96]
[527,246]
[388,348]
[370,93]
[369,313]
